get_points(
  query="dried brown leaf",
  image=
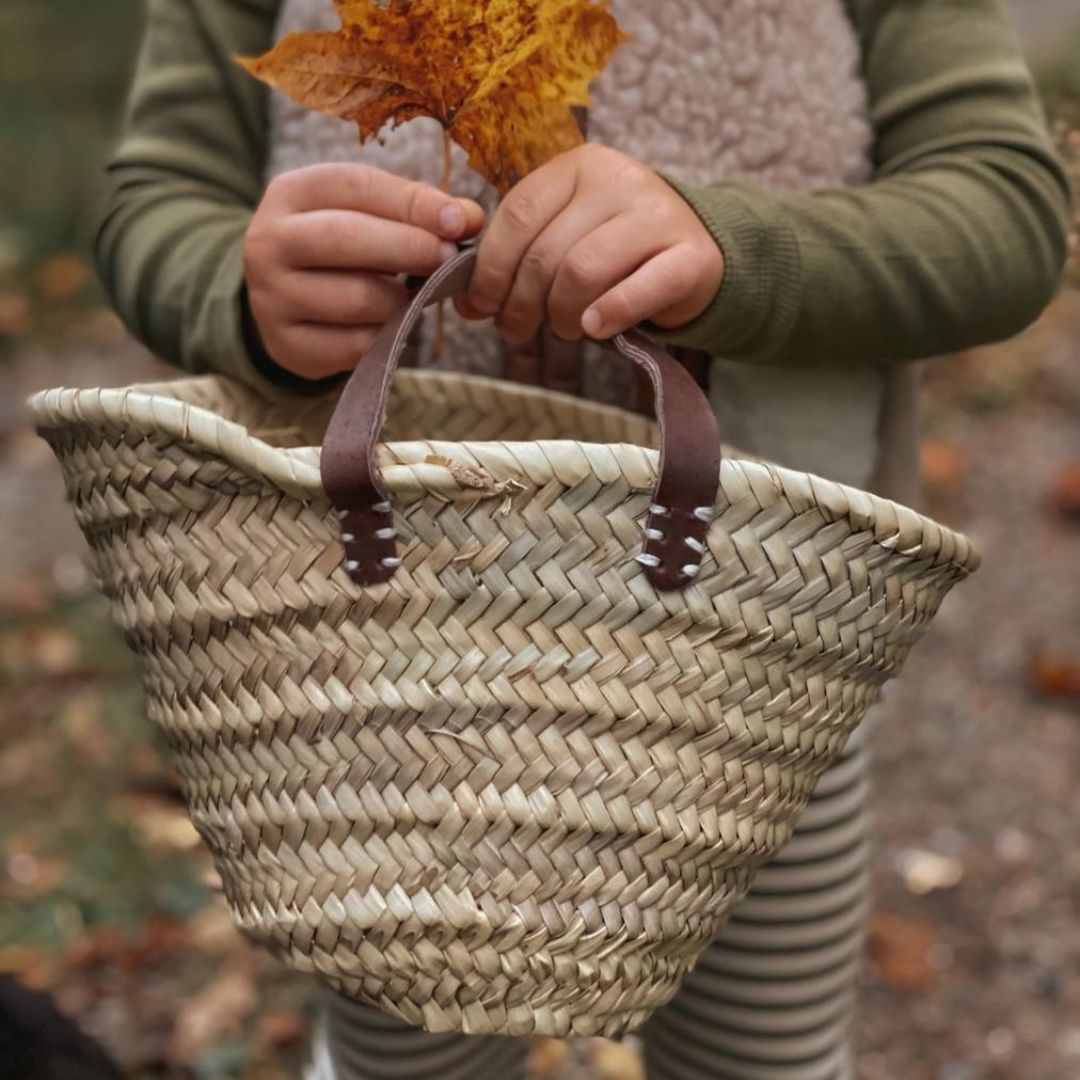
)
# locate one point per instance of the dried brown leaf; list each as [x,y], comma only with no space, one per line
[901,951]
[1055,675]
[14,314]
[500,76]
[282,1028]
[944,466]
[1065,492]
[473,477]
[615,1061]
[63,277]
[546,1057]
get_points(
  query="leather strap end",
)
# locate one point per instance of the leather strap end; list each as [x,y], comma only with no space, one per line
[674,547]
[370,541]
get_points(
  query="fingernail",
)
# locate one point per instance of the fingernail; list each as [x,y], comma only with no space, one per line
[451,219]
[447,250]
[592,322]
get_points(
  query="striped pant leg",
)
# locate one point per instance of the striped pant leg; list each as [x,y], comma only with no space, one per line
[773,997]
[354,1042]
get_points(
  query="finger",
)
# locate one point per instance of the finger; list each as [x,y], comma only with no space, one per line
[365,188]
[465,309]
[595,265]
[661,283]
[525,212]
[526,304]
[523,365]
[342,299]
[348,240]
[475,216]
[316,351]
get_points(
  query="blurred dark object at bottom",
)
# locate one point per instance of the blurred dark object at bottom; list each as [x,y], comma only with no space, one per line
[38,1043]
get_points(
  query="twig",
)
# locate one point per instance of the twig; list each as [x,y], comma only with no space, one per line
[440,312]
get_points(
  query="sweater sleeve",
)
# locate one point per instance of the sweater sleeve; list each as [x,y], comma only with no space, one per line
[184,181]
[958,240]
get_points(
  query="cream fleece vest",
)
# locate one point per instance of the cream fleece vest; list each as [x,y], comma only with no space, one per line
[764,89]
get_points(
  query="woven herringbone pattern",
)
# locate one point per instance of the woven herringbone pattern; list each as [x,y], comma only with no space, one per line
[514,790]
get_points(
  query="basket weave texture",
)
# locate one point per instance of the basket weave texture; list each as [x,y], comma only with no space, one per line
[515,789]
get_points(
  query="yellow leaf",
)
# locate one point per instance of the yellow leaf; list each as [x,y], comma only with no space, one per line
[63,277]
[547,1057]
[615,1061]
[500,76]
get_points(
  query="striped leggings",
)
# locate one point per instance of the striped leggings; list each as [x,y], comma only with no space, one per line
[771,999]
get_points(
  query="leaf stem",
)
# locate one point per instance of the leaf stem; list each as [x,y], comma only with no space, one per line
[447,147]
[439,343]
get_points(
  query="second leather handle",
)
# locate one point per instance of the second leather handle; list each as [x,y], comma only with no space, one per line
[685,493]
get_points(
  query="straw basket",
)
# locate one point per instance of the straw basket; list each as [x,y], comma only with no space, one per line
[489,724]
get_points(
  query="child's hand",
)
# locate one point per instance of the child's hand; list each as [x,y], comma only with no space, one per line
[596,242]
[322,252]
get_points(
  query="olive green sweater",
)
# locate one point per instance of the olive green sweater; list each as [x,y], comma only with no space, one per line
[959,239]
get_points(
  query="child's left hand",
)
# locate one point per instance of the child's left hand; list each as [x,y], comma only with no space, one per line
[595,242]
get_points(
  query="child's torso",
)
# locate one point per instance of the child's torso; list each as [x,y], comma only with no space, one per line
[705,89]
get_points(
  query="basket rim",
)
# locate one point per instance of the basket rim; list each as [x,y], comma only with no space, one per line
[407,470]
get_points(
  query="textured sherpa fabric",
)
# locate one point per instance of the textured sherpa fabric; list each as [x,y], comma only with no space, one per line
[764,89]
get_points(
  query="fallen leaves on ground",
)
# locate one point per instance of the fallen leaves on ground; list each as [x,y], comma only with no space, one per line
[500,76]
[546,1057]
[902,951]
[944,467]
[161,823]
[926,871]
[63,277]
[1065,492]
[282,1027]
[615,1061]
[39,647]
[14,314]
[25,873]
[1055,675]
[212,930]
[218,1010]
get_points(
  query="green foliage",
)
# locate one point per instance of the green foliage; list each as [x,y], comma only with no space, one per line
[64,70]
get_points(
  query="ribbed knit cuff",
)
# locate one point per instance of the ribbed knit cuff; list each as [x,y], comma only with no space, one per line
[755,309]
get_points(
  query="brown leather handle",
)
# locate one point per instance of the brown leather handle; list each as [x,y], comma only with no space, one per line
[682,506]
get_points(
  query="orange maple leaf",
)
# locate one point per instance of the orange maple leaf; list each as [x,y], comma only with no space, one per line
[500,76]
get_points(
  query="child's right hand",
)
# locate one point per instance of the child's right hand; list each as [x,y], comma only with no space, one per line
[323,253]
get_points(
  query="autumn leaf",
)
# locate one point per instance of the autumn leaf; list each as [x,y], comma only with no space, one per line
[902,951]
[547,1057]
[944,467]
[615,1061]
[63,277]
[1055,675]
[500,76]
[1065,492]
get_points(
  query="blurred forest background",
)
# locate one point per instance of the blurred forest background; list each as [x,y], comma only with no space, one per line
[106,898]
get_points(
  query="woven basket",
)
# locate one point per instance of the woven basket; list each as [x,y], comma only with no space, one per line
[516,783]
